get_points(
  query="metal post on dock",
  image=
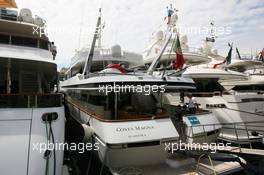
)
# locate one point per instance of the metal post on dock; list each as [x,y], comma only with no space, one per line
[248,136]
[192,133]
[215,134]
[205,134]
[237,136]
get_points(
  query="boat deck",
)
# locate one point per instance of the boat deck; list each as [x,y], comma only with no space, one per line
[190,167]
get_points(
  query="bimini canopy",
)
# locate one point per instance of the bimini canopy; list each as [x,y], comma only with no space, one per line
[8,4]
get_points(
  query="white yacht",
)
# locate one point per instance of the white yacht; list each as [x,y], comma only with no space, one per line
[235,98]
[124,112]
[228,107]
[193,56]
[31,112]
[255,72]
[102,57]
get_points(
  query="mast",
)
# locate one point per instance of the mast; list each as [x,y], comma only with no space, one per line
[89,59]
[99,36]
[212,36]
[157,59]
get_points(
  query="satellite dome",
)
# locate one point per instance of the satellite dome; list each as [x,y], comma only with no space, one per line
[116,51]
[184,39]
[26,15]
[174,19]
[39,21]
[159,35]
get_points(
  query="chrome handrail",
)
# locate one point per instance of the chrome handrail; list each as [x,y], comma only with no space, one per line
[247,127]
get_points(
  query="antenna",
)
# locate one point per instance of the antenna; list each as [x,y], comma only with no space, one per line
[212,36]
[100,30]
[89,59]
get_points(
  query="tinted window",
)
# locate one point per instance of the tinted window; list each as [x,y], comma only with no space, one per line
[22,41]
[4,39]
[43,44]
[16,40]
[31,42]
[8,14]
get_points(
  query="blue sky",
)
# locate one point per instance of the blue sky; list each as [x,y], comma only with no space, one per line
[130,23]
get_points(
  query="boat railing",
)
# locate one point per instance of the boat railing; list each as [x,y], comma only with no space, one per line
[248,92]
[206,94]
[238,133]
[194,50]
[133,73]
[31,100]
[246,57]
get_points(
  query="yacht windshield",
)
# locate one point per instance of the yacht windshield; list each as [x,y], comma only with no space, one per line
[118,106]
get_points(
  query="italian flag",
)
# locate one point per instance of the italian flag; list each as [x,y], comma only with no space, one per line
[228,58]
[179,62]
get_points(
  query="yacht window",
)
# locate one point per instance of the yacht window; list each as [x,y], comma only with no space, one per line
[8,14]
[16,40]
[208,85]
[31,42]
[27,76]
[96,100]
[43,44]
[249,88]
[4,39]
[2,79]
[129,105]
[23,41]
[25,84]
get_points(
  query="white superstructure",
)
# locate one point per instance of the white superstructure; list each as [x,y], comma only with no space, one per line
[228,106]
[28,80]
[102,58]
[234,107]
[193,56]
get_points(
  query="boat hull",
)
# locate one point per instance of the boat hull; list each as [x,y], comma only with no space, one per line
[129,143]
[242,115]
[23,131]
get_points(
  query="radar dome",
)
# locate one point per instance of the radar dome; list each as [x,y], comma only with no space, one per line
[26,15]
[159,35]
[215,51]
[39,21]
[116,51]
[174,19]
[184,39]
